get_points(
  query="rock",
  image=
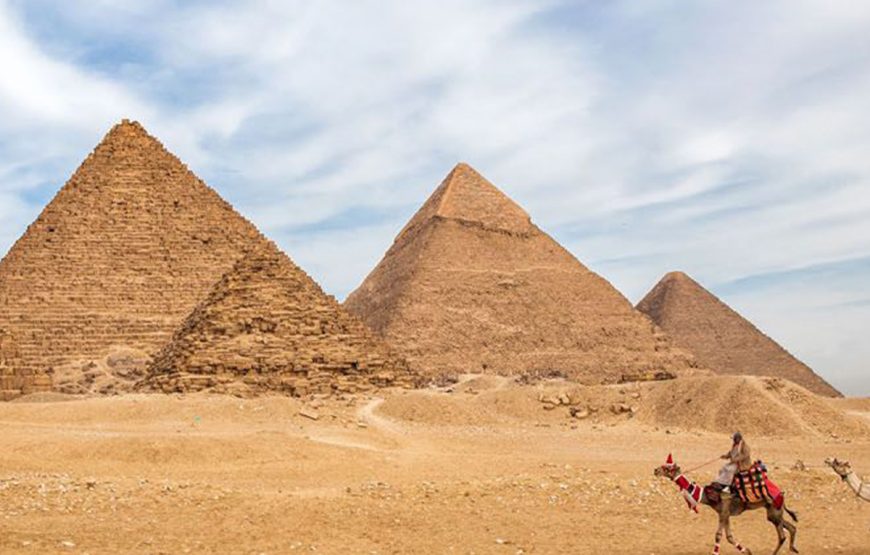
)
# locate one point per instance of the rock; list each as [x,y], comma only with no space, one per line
[67,544]
[564,399]
[619,408]
[579,413]
[309,413]
[799,466]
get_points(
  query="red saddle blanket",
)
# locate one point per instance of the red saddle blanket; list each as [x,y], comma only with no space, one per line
[753,486]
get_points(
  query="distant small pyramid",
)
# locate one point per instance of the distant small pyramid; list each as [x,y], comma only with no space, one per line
[471,285]
[266,326]
[119,257]
[719,337]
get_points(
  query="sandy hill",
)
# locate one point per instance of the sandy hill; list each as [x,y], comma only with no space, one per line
[472,285]
[267,326]
[754,405]
[119,257]
[759,407]
[721,339]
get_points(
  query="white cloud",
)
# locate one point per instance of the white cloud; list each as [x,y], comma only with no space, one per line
[724,138]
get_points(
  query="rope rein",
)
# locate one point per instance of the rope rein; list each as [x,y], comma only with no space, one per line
[700,466]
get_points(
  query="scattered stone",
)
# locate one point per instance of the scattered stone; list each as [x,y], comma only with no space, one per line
[309,413]
[579,413]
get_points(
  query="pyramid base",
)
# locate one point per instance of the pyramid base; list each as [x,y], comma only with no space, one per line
[293,386]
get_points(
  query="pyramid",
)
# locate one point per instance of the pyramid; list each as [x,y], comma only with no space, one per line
[116,260]
[14,382]
[472,285]
[720,338]
[268,327]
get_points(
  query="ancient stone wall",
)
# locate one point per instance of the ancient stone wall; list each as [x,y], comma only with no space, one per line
[268,327]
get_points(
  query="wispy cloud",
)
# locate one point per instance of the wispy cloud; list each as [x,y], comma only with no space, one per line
[727,139]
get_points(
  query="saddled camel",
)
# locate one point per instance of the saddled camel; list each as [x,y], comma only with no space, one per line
[844,469]
[730,505]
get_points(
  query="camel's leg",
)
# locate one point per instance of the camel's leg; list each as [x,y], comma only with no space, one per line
[792,532]
[775,516]
[723,523]
[736,544]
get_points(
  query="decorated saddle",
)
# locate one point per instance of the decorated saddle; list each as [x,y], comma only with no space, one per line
[753,486]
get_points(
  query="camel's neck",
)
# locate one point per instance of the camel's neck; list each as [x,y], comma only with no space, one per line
[682,482]
[692,492]
[858,486]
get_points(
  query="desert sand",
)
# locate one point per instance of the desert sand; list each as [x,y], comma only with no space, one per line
[485,466]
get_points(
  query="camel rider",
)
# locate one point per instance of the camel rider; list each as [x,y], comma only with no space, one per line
[739,460]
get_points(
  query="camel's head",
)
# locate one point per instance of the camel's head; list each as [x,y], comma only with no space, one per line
[669,470]
[843,468]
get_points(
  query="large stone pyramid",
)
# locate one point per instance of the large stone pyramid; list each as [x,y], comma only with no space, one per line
[720,338]
[119,257]
[471,285]
[268,327]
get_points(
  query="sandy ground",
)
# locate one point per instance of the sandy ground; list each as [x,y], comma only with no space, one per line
[482,469]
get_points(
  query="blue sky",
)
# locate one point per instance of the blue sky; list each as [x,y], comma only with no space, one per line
[730,140]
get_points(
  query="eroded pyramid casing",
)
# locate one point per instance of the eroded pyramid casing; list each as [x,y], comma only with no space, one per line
[719,337]
[266,326]
[119,257]
[471,285]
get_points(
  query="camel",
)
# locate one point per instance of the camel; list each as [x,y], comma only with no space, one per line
[844,469]
[728,506]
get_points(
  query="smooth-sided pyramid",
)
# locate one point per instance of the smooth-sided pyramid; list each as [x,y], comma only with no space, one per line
[471,285]
[119,257]
[268,327]
[720,338]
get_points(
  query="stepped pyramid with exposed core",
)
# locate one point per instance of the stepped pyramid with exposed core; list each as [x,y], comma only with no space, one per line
[114,263]
[719,337]
[472,285]
[268,327]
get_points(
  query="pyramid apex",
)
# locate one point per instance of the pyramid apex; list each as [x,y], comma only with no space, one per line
[128,131]
[466,195]
[677,276]
[463,167]
[128,126]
